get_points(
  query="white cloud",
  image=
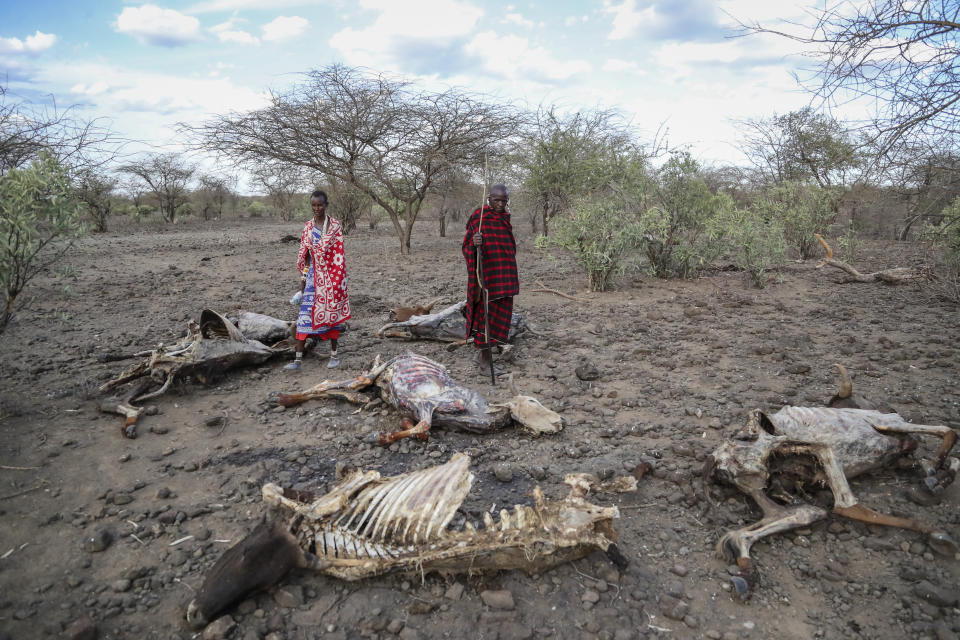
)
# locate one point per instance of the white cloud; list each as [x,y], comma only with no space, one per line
[627,20]
[211,6]
[284,28]
[404,29]
[36,43]
[514,57]
[152,25]
[615,65]
[570,21]
[518,19]
[759,50]
[93,89]
[119,89]
[228,32]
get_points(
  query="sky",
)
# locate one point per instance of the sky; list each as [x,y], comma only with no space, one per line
[672,64]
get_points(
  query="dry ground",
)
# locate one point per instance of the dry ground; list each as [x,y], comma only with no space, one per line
[680,363]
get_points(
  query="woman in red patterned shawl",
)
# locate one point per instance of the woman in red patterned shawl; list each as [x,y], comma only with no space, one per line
[325,305]
[495,242]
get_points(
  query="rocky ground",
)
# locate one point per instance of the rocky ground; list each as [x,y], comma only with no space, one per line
[107,536]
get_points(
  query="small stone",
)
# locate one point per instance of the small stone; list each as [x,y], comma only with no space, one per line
[290,595]
[503,471]
[163,493]
[454,591]
[98,541]
[673,608]
[678,570]
[587,371]
[219,629]
[395,626]
[159,429]
[80,629]
[590,596]
[409,633]
[937,596]
[501,599]
[120,586]
[798,369]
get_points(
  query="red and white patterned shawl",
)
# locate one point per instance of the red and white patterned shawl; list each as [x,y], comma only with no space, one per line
[331,302]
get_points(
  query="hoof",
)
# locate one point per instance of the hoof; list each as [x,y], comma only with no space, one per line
[130,431]
[740,588]
[727,548]
[374,438]
[942,543]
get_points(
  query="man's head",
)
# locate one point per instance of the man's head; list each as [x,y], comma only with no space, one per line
[499,197]
[318,202]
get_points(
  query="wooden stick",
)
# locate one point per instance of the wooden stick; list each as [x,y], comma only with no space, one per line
[544,289]
[895,275]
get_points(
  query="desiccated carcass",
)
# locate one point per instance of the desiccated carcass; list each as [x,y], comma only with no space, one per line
[263,328]
[777,455]
[368,526]
[446,325]
[402,314]
[424,389]
[209,349]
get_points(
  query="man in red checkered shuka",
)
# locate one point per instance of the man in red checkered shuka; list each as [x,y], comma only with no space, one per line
[495,242]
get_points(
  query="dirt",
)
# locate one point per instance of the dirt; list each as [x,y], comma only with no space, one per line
[679,364]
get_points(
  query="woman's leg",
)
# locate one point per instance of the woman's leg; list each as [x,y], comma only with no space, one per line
[297,356]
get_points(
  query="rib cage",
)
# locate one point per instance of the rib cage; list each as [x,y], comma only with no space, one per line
[368,526]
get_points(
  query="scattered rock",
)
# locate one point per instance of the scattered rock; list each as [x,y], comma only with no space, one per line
[587,371]
[501,599]
[98,541]
[935,595]
[454,591]
[290,595]
[673,608]
[503,471]
[159,429]
[219,629]
[80,629]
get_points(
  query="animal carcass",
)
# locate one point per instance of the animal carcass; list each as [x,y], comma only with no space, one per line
[446,325]
[368,526]
[775,454]
[209,349]
[424,389]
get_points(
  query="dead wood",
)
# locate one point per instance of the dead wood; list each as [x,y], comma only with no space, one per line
[544,289]
[896,275]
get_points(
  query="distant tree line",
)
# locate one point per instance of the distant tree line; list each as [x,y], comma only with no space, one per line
[585,180]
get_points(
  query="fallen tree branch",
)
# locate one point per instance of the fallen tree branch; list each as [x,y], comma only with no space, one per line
[544,289]
[897,275]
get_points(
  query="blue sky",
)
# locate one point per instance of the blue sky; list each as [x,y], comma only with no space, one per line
[144,67]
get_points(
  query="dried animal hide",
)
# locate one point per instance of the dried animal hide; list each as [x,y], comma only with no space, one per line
[206,352]
[446,325]
[368,526]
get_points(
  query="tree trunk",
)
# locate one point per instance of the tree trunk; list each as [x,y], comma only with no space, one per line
[443,225]
[545,216]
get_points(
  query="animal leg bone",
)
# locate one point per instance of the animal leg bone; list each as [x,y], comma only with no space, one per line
[949,437]
[419,430]
[845,504]
[330,388]
[735,545]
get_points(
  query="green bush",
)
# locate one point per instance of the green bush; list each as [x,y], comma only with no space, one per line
[600,233]
[755,245]
[674,227]
[802,209]
[946,236]
[40,216]
[256,209]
